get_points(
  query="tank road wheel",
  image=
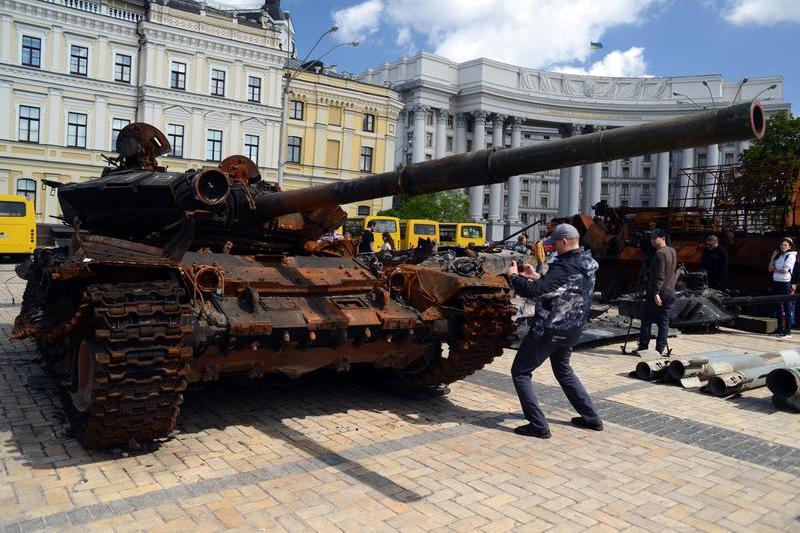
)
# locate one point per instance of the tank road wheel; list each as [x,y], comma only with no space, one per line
[127,376]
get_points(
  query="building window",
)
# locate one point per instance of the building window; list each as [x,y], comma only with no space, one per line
[623,203]
[646,172]
[450,122]
[646,158]
[546,137]
[251,147]
[728,158]
[449,147]
[626,172]
[29,124]
[543,201]
[526,185]
[545,186]
[177,76]
[366,159]
[217,82]
[485,199]
[604,172]
[626,190]
[31,51]
[645,190]
[76,130]
[469,145]
[27,187]
[523,217]
[295,147]
[253,89]
[428,140]
[122,68]
[363,210]
[296,112]
[428,157]
[79,60]
[429,118]
[701,160]
[368,123]
[524,202]
[604,189]
[116,126]
[645,203]
[214,145]
[175,136]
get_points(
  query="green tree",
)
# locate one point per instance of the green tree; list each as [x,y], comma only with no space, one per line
[445,206]
[769,167]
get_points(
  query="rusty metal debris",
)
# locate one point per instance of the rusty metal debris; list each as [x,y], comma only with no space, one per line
[178,278]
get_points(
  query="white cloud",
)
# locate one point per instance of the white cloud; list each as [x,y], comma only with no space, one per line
[403,37]
[359,21]
[762,12]
[534,33]
[616,63]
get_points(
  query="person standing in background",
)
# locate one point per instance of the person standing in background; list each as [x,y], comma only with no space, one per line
[781,265]
[715,262]
[660,295]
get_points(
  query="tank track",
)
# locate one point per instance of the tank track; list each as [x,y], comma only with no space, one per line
[139,363]
[487,324]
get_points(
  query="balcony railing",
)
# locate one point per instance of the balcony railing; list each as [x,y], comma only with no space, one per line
[99,8]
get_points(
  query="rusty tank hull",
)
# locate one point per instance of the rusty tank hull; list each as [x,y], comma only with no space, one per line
[173,279]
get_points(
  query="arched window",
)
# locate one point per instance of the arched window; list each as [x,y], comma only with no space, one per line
[27,187]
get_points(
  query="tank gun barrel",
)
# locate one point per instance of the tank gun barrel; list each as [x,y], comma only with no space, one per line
[484,167]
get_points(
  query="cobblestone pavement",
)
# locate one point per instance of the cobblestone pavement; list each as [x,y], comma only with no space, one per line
[334,454]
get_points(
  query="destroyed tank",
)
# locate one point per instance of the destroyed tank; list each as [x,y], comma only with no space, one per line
[178,278]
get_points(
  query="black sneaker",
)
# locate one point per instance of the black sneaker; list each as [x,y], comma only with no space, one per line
[583,423]
[529,430]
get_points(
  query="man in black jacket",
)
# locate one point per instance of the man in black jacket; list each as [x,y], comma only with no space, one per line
[715,262]
[660,295]
[563,298]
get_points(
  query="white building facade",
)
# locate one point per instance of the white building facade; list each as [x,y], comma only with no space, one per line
[451,108]
[75,72]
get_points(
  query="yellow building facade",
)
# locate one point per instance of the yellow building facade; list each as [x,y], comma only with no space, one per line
[339,128]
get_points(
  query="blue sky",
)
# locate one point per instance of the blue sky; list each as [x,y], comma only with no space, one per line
[734,38]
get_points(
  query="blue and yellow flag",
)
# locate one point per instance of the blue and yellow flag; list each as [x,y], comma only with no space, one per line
[596,46]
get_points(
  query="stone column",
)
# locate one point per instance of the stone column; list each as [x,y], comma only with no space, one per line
[712,160]
[102,137]
[574,179]
[420,112]
[595,178]
[6,44]
[440,136]
[662,180]
[100,60]
[56,44]
[563,192]
[687,194]
[461,133]
[235,140]
[400,147]
[6,121]
[512,216]
[478,143]
[496,189]
[197,139]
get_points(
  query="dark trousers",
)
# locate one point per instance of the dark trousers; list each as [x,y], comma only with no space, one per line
[653,314]
[784,311]
[531,354]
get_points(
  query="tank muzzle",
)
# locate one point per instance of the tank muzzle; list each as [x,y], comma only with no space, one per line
[211,186]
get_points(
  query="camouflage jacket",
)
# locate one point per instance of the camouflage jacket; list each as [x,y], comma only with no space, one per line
[563,296]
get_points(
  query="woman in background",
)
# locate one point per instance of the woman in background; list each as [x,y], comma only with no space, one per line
[781,265]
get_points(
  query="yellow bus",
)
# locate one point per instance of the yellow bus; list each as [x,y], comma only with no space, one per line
[411,231]
[462,234]
[17,227]
[382,224]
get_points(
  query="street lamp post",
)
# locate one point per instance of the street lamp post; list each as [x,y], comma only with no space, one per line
[284,100]
[713,105]
[690,99]
[739,90]
[773,86]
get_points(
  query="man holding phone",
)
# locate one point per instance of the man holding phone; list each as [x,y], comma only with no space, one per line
[563,299]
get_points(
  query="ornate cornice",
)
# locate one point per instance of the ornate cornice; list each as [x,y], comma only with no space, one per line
[61,15]
[442,115]
[224,105]
[516,122]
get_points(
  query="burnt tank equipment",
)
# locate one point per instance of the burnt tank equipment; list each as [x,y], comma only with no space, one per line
[176,278]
